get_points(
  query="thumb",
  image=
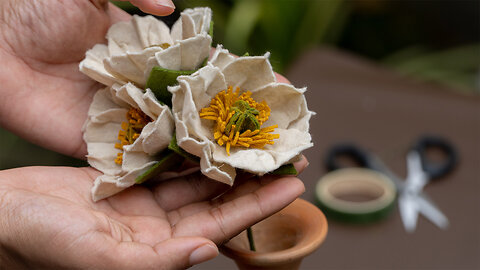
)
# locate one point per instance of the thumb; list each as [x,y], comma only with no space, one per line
[183,252]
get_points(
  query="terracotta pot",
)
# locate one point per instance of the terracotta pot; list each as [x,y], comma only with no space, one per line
[282,240]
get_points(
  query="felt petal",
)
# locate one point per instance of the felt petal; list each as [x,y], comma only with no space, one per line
[133,160]
[187,54]
[157,135]
[151,31]
[153,105]
[104,187]
[108,185]
[169,58]
[261,161]
[92,66]
[203,86]
[176,31]
[102,157]
[285,101]
[123,67]
[104,127]
[140,59]
[221,58]
[129,179]
[218,171]
[102,101]
[195,21]
[122,37]
[249,73]
[194,51]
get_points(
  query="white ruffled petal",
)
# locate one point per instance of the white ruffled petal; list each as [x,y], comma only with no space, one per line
[101,156]
[285,101]
[176,32]
[249,73]
[129,179]
[261,161]
[122,37]
[151,32]
[104,127]
[221,58]
[187,54]
[108,185]
[102,101]
[132,159]
[195,21]
[123,67]
[105,186]
[203,86]
[141,58]
[156,136]
[92,66]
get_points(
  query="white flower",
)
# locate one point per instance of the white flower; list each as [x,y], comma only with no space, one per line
[125,128]
[212,124]
[134,47]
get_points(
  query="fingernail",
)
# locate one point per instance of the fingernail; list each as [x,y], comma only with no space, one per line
[203,253]
[166,3]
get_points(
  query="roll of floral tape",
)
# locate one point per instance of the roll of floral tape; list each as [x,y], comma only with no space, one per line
[356,195]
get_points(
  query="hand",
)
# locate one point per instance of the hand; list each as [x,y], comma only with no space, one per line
[44,97]
[49,221]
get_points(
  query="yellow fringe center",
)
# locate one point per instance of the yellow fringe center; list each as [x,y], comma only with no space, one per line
[221,112]
[130,131]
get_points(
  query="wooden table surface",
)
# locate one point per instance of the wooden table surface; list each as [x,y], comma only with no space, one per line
[358,101]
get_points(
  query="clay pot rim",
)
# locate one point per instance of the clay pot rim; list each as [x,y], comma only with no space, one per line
[300,250]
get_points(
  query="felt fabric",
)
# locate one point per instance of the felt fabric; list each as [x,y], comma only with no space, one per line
[134,47]
[195,135]
[105,117]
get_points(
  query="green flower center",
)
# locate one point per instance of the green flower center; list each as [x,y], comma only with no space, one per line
[244,118]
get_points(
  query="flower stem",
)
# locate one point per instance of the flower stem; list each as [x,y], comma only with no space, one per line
[250,239]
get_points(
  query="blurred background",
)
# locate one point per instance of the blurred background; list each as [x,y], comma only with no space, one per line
[435,41]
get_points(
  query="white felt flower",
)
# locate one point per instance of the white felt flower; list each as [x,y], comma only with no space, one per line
[233,114]
[134,47]
[124,130]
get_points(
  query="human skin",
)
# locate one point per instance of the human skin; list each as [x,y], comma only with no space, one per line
[49,221]
[47,217]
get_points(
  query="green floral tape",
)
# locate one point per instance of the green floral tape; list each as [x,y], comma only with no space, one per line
[356,195]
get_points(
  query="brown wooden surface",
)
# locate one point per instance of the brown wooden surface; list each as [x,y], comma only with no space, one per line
[360,102]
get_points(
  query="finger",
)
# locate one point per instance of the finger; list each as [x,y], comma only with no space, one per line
[226,219]
[175,193]
[243,185]
[117,14]
[181,253]
[301,164]
[178,253]
[155,7]
[136,207]
[281,79]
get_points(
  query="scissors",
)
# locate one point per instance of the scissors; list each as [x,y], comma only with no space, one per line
[421,168]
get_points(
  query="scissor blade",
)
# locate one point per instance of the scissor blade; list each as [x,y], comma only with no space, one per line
[408,212]
[432,213]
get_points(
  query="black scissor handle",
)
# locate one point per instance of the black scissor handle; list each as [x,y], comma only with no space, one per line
[436,169]
[349,151]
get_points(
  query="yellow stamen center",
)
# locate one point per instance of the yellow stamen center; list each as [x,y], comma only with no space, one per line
[130,131]
[163,45]
[239,119]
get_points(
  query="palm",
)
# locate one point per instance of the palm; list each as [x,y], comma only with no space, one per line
[137,227]
[44,44]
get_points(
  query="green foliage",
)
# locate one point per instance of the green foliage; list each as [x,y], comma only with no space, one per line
[283,27]
[456,67]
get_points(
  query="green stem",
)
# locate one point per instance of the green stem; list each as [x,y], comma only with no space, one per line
[250,239]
